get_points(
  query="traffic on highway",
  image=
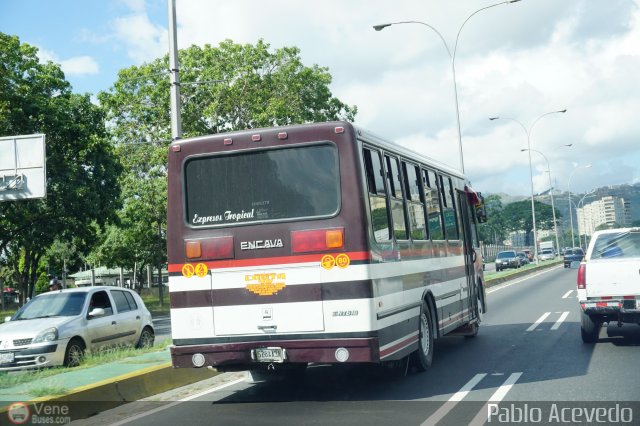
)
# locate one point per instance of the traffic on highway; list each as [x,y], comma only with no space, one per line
[527,365]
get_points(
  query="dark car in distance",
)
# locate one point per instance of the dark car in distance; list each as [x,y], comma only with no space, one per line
[507,259]
[575,254]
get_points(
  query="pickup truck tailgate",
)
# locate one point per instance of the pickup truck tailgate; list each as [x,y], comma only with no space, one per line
[613,277]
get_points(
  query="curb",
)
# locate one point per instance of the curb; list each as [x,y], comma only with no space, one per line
[88,400]
[495,281]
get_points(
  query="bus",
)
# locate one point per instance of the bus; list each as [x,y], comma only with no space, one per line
[317,243]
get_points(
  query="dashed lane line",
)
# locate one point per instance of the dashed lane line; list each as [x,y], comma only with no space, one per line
[453,401]
[483,414]
[560,321]
[539,321]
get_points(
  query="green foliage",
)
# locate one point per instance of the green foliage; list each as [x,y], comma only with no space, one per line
[224,88]
[82,169]
[493,230]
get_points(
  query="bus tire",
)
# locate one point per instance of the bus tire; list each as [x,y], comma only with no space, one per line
[424,355]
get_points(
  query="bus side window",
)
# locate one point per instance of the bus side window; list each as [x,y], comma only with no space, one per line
[449,211]
[377,195]
[396,201]
[415,202]
[432,201]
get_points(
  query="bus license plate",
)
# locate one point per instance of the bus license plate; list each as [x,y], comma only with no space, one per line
[269,355]
[6,358]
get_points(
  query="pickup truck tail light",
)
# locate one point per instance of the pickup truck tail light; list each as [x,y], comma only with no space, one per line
[582,276]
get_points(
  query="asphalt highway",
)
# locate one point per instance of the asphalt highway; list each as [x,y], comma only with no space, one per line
[527,365]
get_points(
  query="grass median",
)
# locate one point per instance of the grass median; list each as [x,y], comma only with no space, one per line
[104,356]
[506,273]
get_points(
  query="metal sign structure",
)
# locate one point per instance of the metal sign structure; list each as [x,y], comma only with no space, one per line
[23,167]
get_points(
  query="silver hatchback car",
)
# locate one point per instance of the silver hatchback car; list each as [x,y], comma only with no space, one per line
[56,328]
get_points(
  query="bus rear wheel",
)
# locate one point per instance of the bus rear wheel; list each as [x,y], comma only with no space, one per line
[423,357]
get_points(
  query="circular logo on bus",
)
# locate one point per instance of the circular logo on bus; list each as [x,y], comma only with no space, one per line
[188,270]
[328,261]
[342,260]
[201,270]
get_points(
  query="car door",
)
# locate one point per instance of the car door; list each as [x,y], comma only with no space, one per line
[102,330]
[128,317]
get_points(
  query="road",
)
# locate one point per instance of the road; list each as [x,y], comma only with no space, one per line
[528,357]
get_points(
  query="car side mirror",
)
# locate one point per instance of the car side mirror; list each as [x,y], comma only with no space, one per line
[96,312]
[575,264]
[7,319]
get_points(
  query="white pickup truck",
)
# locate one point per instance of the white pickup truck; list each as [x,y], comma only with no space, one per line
[609,281]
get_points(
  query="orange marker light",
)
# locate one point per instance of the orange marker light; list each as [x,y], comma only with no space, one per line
[193,249]
[335,238]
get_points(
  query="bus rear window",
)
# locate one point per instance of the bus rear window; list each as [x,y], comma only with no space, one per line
[267,185]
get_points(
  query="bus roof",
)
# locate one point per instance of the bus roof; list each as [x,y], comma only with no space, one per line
[361,133]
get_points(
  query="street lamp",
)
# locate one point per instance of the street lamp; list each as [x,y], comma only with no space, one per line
[584,222]
[452,56]
[533,207]
[553,206]
[573,243]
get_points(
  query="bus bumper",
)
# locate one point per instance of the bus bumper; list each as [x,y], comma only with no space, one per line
[240,355]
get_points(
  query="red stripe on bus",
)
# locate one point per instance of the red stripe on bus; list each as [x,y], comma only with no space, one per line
[266,261]
[398,346]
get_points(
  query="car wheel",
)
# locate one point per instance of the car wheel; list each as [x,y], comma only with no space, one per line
[146,338]
[75,353]
[424,355]
[589,328]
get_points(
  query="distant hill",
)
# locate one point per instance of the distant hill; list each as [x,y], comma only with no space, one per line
[630,193]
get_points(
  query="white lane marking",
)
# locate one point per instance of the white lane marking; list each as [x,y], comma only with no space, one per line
[173,404]
[560,320]
[567,294]
[455,398]
[528,277]
[537,323]
[483,414]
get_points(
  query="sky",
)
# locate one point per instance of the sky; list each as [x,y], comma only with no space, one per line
[520,61]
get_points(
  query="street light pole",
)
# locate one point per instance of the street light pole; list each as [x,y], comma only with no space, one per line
[584,223]
[452,57]
[553,206]
[573,243]
[533,206]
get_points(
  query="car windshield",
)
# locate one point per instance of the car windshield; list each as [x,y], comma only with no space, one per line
[546,251]
[52,305]
[623,244]
[505,255]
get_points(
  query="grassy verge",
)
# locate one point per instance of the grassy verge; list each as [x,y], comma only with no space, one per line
[152,303]
[91,360]
[491,275]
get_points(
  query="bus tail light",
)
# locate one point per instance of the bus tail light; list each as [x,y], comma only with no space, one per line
[317,240]
[582,276]
[210,248]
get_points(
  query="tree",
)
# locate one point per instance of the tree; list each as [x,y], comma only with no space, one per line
[493,230]
[518,217]
[224,88]
[82,170]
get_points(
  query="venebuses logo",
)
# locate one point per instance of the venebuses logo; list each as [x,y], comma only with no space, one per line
[18,413]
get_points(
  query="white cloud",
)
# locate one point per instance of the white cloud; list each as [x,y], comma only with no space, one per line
[76,66]
[519,60]
[144,41]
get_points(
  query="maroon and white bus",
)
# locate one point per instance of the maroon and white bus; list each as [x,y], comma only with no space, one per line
[317,243]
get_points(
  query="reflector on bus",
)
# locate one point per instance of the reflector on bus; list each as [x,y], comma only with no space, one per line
[317,240]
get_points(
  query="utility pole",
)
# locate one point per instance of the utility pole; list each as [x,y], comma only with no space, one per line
[174,75]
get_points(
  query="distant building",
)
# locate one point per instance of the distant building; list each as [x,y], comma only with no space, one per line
[608,210]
